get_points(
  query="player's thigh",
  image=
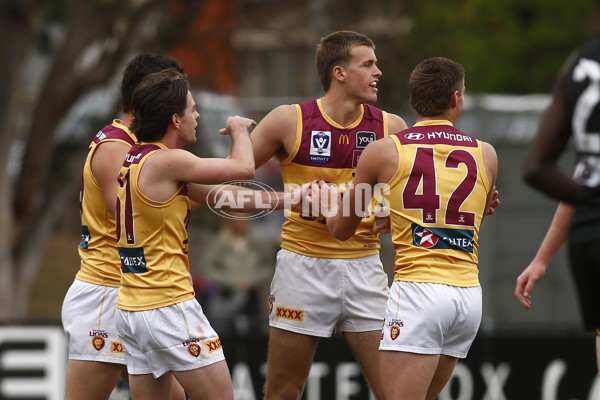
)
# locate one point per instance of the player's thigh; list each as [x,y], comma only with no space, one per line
[406,375]
[365,347]
[79,386]
[146,387]
[210,382]
[289,357]
[442,374]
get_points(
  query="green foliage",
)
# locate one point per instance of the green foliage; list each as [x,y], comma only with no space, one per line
[507,46]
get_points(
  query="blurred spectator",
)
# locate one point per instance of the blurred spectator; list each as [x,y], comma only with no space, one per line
[238,265]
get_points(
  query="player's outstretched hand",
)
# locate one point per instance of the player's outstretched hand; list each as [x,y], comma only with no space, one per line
[527,280]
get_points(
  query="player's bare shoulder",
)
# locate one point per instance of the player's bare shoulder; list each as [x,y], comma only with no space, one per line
[283,117]
[490,159]
[396,123]
[275,134]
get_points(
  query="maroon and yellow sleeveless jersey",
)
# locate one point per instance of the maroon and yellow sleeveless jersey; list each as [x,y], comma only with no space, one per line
[152,240]
[98,247]
[437,200]
[328,151]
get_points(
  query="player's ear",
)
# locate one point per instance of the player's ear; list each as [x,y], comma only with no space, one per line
[454,99]
[339,73]
[175,120]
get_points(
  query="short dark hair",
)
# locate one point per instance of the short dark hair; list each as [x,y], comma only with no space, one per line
[138,68]
[156,99]
[335,49]
[432,84]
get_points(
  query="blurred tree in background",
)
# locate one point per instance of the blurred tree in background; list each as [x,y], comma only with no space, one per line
[94,38]
[509,46]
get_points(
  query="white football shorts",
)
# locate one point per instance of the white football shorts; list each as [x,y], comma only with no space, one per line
[88,318]
[431,318]
[173,338]
[317,296]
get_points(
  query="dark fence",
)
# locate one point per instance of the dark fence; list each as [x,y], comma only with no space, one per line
[499,367]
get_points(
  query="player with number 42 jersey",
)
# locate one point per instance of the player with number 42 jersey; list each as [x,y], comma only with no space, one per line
[441,189]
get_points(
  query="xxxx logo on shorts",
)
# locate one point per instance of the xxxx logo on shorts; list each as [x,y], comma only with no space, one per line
[192,346]
[98,338]
[116,347]
[289,313]
[271,302]
[213,345]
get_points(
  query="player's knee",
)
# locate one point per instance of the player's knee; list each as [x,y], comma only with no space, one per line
[284,391]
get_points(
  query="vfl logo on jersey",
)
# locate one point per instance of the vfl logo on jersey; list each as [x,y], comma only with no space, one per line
[443,238]
[85,237]
[289,313]
[414,136]
[363,138]
[320,147]
[133,260]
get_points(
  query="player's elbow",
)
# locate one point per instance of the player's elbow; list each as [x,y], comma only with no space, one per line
[246,171]
[533,173]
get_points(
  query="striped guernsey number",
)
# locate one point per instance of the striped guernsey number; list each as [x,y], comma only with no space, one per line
[588,143]
[420,191]
[127,219]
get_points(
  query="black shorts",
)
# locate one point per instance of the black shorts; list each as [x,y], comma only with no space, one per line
[584,258]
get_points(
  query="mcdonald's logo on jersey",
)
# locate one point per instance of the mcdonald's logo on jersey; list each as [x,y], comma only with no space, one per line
[344,139]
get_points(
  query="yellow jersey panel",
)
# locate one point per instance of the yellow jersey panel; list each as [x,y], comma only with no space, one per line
[325,150]
[437,200]
[98,247]
[152,240]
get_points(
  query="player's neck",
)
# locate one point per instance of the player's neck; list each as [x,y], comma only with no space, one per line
[341,109]
[449,116]
[127,119]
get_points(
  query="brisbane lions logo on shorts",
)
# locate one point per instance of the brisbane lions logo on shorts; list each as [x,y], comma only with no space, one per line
[194,349]
[192,346]
[271,302]
[98,342]
[98,338]
[395,326]
[395,332]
